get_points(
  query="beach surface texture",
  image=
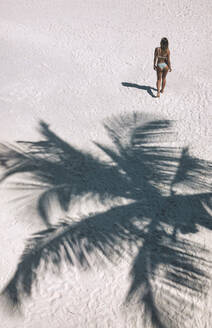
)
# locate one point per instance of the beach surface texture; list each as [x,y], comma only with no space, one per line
[105,189]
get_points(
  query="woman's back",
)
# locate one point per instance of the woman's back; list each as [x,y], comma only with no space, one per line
[162,55]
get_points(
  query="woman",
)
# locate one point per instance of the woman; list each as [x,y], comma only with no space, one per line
[162,56]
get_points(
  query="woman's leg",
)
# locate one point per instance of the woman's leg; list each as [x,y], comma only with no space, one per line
[159,75]
[165,71]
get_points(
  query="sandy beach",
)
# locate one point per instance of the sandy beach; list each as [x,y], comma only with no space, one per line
[79,76]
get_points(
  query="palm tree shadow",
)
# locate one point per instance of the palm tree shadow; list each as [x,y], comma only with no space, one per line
[59,171]
[142,87]
[143,169]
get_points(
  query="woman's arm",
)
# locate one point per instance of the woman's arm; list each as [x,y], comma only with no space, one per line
[169,62]
[155,58]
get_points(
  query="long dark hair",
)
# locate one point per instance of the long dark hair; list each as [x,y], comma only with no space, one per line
[164,43]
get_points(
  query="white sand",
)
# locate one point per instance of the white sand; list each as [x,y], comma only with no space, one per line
[64,62]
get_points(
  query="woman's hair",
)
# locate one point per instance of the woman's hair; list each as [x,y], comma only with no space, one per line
[164,43]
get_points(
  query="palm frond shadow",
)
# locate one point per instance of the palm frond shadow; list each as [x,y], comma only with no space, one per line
[59,171]
[144,169]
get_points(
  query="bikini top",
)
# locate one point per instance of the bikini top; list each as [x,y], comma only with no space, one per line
[164,57]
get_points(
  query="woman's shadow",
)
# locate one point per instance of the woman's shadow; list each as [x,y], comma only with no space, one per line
[143,87]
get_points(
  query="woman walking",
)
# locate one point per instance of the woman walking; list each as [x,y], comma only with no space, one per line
[162,57]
